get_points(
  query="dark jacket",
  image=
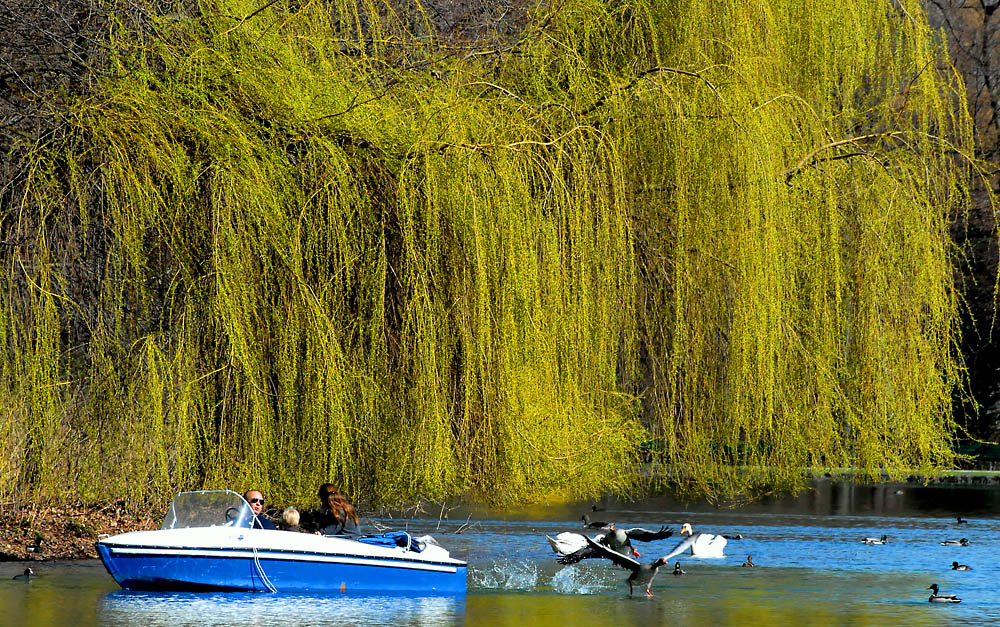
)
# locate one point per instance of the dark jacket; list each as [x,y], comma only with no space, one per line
[261,522]
[330,526]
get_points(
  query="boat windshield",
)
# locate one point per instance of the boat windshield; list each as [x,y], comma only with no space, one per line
[208,508]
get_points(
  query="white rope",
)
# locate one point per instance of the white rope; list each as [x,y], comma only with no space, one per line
[260,571]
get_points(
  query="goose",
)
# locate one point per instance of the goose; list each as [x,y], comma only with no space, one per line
[589,524]
[941,598]
[572,547]
[962,542]
[875,541]
[749,563]
[700,544]
[619,540]
[678,571]
[26,575]
[642,574]
[957,566]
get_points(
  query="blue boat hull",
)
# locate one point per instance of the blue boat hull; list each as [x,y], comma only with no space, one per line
[139,568]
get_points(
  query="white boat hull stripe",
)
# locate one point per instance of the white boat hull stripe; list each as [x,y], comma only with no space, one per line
[272,555]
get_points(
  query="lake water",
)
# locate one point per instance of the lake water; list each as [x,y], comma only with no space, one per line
[813,570]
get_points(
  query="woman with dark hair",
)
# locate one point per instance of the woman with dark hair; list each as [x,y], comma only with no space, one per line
[337,517]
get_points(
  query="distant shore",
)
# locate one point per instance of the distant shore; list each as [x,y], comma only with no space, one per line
[948,477]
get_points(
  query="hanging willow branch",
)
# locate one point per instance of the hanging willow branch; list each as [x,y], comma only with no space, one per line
[812,158]
[653,70]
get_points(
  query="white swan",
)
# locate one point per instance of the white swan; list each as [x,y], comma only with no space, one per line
[700,544]
[570,542]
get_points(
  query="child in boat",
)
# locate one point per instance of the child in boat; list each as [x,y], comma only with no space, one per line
[291,518]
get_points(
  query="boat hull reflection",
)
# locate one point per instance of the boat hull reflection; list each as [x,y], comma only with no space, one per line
[153,609]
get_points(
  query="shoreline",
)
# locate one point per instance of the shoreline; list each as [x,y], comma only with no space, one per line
[69,532]
[62,532]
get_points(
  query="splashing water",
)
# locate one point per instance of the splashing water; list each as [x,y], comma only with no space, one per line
[573,580]
[507,575]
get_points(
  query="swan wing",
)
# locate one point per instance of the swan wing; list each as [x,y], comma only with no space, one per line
[621,560]
[644,535]
[572,547]
[567,542]
[682,546]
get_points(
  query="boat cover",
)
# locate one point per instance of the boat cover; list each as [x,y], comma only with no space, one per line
[394,538]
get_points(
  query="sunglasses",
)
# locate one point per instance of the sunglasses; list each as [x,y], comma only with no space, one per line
[254,501]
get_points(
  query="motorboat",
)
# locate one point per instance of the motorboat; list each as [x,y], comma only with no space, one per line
[208,543]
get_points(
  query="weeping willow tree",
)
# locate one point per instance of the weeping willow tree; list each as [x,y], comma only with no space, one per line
[290,242]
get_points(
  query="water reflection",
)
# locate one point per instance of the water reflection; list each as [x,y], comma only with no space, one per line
[155,609]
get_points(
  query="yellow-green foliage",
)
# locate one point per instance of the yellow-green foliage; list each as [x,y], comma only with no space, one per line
[327,246]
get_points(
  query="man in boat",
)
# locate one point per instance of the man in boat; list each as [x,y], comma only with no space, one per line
[256,500]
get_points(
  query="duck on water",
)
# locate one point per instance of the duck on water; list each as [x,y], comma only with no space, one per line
[960,542]
[593,524]
[937,597]
[25,576]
